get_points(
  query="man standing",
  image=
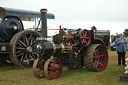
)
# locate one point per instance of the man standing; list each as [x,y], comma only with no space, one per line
[121,49]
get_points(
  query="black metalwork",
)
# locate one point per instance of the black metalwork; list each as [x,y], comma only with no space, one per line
[23,13]
[44,23]
[10,26]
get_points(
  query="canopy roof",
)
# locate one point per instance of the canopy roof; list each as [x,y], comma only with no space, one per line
[24,15]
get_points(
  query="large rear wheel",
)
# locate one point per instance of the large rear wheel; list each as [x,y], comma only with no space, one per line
[22,52]
[96,58]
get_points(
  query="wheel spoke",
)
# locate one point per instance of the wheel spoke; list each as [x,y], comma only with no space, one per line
[50,68]
[53,63]
[27,59]
[101,55]
[31,57]
[24,39]
[41,66]
[31,42]
[27,40]
[96,53]
[22,58]
[34,42]
[39,73]
[34,53]
[51,75]
[95,64]
[50,64]
[83,41]
[19,51]
[38,70]
[30,39]
[87,37]
[20,54]
[19,48]
[100,63]
[22,43]
[49,71]
[85,34]
[82,37]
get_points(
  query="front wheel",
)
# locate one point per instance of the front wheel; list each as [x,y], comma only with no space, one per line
[38,68]
[53,68]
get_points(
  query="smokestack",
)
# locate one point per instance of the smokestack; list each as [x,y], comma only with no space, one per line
[44,23]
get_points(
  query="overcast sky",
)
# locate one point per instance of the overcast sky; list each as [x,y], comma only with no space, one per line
[104,14]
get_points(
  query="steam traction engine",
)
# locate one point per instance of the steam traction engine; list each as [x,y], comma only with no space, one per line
[70,48]
[16,43]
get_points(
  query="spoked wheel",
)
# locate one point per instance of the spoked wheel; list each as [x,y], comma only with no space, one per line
[22,52]
[53,68]
[38,68]
[96,58]
[85,37]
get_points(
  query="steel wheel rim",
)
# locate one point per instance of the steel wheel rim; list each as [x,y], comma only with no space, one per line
[38,68]
[24,49]
[51,70]
[85,37]
[100,58]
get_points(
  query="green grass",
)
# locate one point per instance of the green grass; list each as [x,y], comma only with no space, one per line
[10,76]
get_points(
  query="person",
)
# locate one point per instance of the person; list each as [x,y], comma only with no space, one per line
[121,49]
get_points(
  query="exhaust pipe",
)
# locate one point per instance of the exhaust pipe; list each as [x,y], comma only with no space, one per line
[44,23]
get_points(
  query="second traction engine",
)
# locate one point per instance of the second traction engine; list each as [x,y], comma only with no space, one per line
[67,46]
[72,48]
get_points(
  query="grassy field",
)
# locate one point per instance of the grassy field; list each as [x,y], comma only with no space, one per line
[10,76]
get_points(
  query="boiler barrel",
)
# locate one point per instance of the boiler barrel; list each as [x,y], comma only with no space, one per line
[51,48]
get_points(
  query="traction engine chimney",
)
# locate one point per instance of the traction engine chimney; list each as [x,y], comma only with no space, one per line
[44,23]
